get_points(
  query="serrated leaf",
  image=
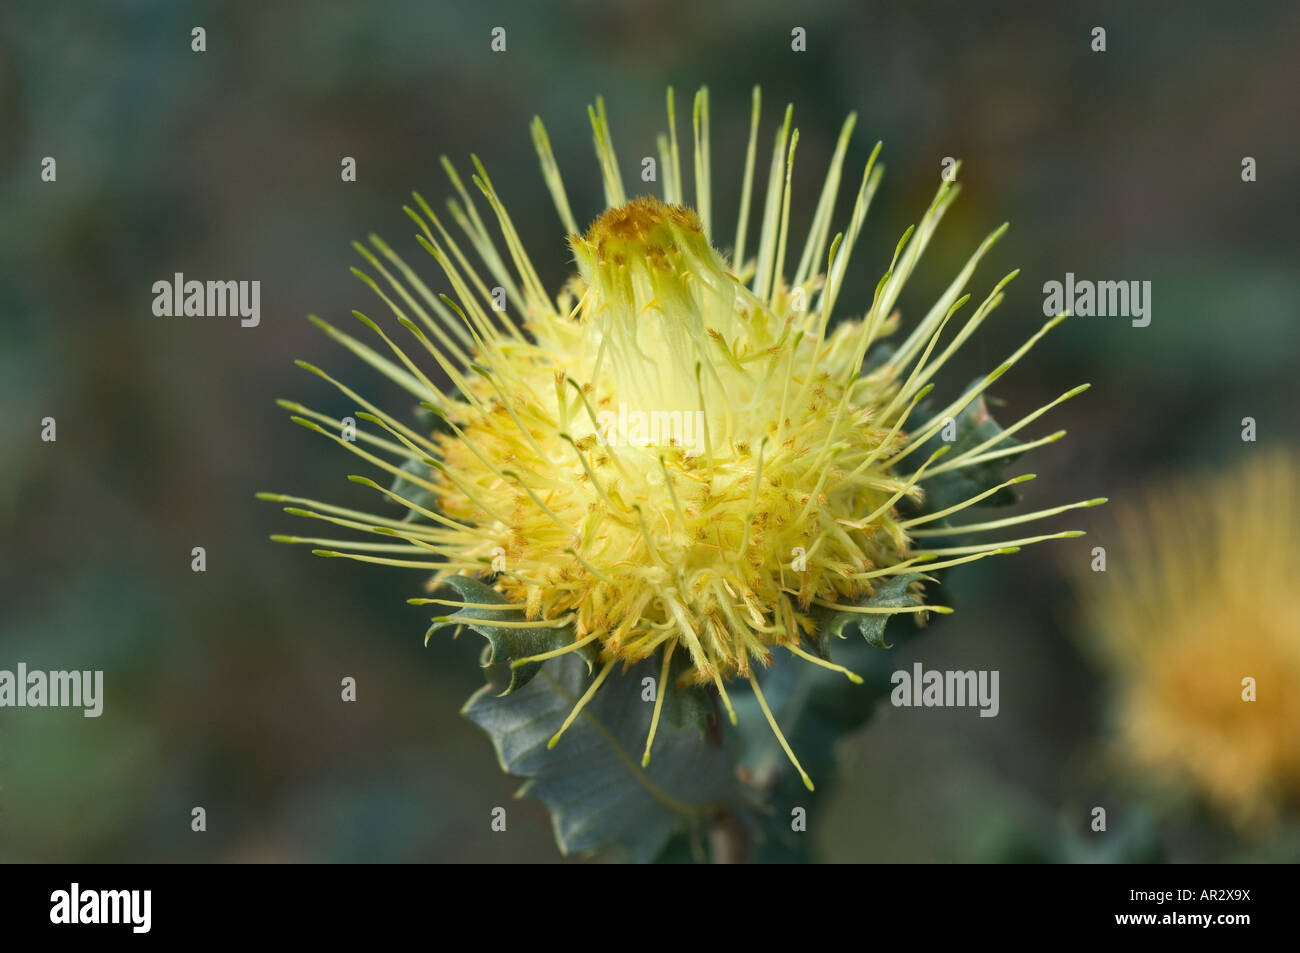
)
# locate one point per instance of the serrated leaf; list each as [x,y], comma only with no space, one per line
[796,689]
[507,644]
[816,708]
[592,781]
[974,425]
[893,594]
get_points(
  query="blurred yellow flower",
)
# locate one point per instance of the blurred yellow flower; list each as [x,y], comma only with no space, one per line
[1198,619]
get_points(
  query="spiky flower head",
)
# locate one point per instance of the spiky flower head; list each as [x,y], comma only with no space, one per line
[1198,621]
[680,454]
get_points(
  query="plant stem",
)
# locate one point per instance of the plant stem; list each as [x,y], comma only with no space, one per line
[729,840]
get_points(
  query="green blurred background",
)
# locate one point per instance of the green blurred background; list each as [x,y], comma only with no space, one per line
[223,687]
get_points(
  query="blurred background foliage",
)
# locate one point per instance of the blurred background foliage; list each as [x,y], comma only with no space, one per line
[223,688]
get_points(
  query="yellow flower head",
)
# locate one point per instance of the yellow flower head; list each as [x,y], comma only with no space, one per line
[681,452]
[1198,619]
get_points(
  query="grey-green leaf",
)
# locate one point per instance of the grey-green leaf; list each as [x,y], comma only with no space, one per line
[893,594]
[506,644]
[592,781]
[816,708]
